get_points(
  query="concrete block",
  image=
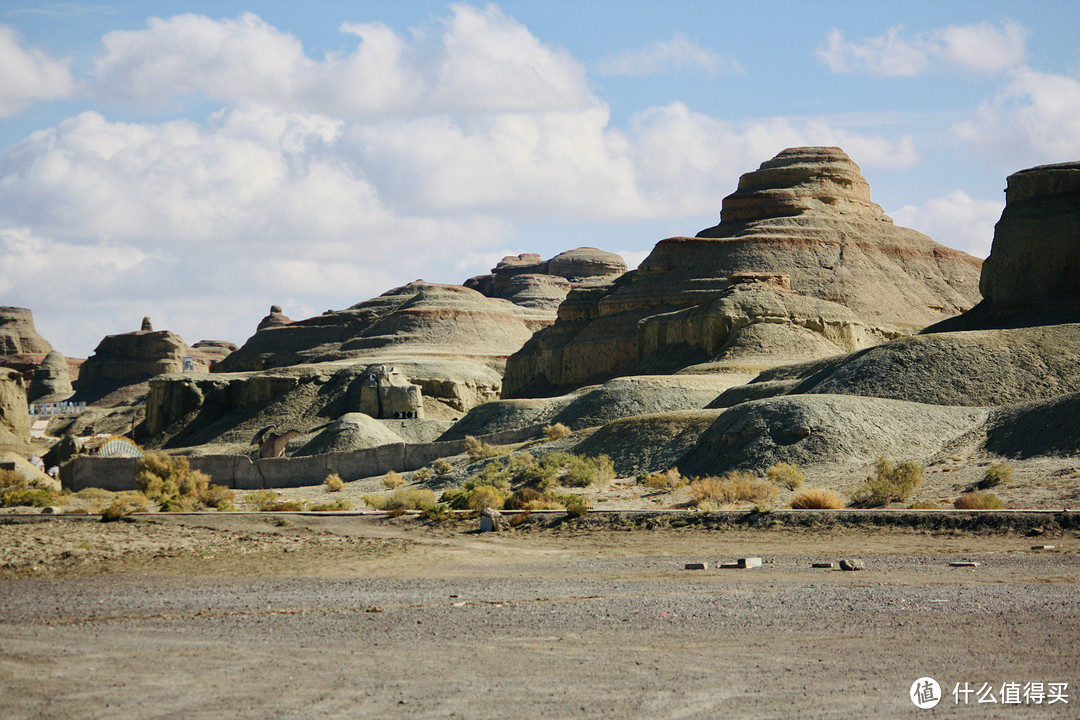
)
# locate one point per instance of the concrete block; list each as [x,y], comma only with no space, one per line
[1042,547]
[697,566]
[964,563]
[825,565]
[742,564]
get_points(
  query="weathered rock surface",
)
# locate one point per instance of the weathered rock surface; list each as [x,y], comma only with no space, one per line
[807,215]
[352,431]
[275,319]
[134,357]
[51,379]
[531,282]
[1033,429]
[214,351]
[18,337]
[14,416]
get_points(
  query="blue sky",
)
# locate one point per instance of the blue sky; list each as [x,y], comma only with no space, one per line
[196,162]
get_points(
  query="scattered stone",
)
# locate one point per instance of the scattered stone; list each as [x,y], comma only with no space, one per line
[852,564]
[743,563]
[697,566]
[50,510]
[824,565]
[964,563]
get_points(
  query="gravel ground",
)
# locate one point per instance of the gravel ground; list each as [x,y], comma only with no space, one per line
[357,617]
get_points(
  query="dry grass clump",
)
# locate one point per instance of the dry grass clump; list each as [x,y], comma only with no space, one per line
[124,504]
[15,490]
[478,449]
[786,475]
[270,501]
[172,483]
[421,475]
[441,466]
[997,474]
[392,480]
[585,471]
[889,483]
[334,483]
[979,500]
[332,506]
[403,499]
[734,487]
[666,481]
[817,499]
[527,498]
[556,432]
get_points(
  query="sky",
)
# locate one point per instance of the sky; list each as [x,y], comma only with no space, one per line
[196,162]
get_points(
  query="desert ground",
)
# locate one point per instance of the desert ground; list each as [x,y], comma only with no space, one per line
[258,615]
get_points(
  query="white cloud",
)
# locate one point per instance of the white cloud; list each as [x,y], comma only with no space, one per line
[29,75]
[1034,119]
[668,56]
[955,220]
[981,48]
[486,62]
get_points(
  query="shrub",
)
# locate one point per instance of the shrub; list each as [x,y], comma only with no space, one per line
[334,483]
[978,501]
[529,499]
[486,496]
[786,475]
[124,504]
[666,481]
[817,499]
[496,474]
[478,449]
[115,511]
[262,500]
[556,432]
[402,499]
[441,466]
[421,475]
[392,480]
[995,475]
[888,484]
[585,471]
[575,505]
[734,487]
[332,506]
[172,483]
[25,496]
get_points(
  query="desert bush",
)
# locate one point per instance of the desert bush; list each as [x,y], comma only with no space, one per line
[786,475]
[172,483]
[115,511]
[997,474]
[556,432]
[530,499]
[11,479]
[336,505]
[585,471]
[495,473]
[270,501]
[486,496]
[15,490]
[421,475]
[817,499]
[478,449]
[334,483]
[576,505]
[392,480]
[441,466]
[402,499]
[734,487]
[666,481]
[889,483]
[980,500]
[92,493]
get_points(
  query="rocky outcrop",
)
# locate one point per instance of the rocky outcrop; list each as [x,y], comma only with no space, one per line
[531,282]
[275,319]
[51,379]
[18,337]
[214,351]
[807,215]
[135,357]
[14,416]
[415,319]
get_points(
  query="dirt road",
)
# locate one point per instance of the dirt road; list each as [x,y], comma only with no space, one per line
[246,617]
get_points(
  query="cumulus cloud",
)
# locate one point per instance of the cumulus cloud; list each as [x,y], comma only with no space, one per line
[30,75]
[956,220]
[981,48]
[667,56]
[1034,119]
[484,61]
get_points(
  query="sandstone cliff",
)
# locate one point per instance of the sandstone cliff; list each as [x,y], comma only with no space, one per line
[805,215]
[528,281]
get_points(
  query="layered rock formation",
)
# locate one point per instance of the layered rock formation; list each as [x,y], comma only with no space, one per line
[531,282]
[18,337]
[805,214]
[14,417]
[51,379]
[135,357]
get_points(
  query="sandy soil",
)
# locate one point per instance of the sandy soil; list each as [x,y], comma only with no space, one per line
[256,616]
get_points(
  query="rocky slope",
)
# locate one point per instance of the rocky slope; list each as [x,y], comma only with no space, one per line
[803,223]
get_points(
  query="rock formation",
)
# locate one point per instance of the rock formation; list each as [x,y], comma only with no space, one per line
[275,319]
[807,215]
[51,379]
[18,337]
[531,282]
[385,393]
[14,416]
[135,357]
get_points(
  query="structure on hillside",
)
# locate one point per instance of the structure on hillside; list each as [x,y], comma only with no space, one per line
[385,393]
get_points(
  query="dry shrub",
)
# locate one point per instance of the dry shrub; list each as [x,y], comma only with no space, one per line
[978,501]
[665,481]
[556,432]
[734,487]
[262,500]
[889,483]
[486,496]
[441,466]
[530,499]
[334,483]
[586,471]
[403,499]
[576,505]
[478,449]
[332,506]
[786,475]
[392,480]
[172,483]
[421,475]
[997,474]
[15,490]
[817,499]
